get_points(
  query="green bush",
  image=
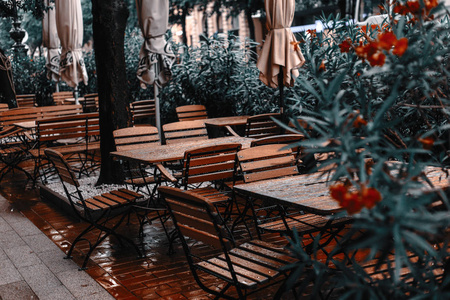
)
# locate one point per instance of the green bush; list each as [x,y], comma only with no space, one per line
[383,114]
[220,75]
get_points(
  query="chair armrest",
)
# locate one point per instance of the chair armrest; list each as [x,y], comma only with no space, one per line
[231,131]
[165,173]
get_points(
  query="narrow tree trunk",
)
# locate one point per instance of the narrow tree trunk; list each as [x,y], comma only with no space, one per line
[183,23]
[251,30]
[109,22]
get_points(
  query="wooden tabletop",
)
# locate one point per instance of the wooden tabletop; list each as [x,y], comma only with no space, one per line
[307,192]
[26,125]
[227,121]
[310,192]
[172,152]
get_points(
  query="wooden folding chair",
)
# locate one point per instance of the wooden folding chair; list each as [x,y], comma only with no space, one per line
[59,97]
[90,103]
[138,174]
[26,100]
[143,112]
[98,211]
[261,126]
[270,162]
[248,267]
[185,131]
[191,112]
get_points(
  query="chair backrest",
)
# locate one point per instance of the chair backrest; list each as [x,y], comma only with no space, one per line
[262,126]
[3,107]
[53,111]
[90,103]
[28,100]
[210,163]
[18,115]
[59,97]
[143,112]
[135,137]
[266,162]
[194,217]
[64,170]
[281,139]
[185,131]
[191,112]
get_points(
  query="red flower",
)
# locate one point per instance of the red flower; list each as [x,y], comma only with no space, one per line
[413,6]
[386,40]
[400,46]
[377,59]
[352,202]
[370,196]
[430,4]
[427,142]
[322,66]
[359,122]
[338,191]
[295,44]
[345,46]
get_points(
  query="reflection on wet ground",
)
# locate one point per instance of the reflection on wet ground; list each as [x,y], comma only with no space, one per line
[156,276]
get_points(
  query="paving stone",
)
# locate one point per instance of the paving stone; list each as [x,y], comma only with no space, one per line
[16,290]
[40,279]
[58,293]
[24,227]
[8,273]
[22,256]
[4,226]
[10,239]
[80,284]
[54,260]
[40,243]
[3,255]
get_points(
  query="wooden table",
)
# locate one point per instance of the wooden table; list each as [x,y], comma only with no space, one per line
[306,192]
[216,126]
[73,101]
[27,125]
[173,152]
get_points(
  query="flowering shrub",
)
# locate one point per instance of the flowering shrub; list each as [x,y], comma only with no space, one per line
[377,101]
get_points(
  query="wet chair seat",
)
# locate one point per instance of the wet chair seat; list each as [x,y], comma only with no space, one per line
[103,212]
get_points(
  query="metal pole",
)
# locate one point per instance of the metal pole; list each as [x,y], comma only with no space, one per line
[157,110]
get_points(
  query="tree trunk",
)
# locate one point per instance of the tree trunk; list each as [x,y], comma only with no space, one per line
[251,30]
[183,22]
[7,90]
[109,22]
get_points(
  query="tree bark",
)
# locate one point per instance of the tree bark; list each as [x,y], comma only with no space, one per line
[109,22]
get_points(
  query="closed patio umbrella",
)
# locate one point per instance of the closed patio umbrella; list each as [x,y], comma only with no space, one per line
[69,21]
[156,56]
[50,40]
[280,56]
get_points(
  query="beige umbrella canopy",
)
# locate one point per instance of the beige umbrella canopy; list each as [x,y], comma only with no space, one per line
[50,40]
[280,56]
[156,56]
[69,21]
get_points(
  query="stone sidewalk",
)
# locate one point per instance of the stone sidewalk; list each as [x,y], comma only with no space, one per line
[32,266]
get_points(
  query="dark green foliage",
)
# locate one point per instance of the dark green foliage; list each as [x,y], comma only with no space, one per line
[219,75]
[403,102]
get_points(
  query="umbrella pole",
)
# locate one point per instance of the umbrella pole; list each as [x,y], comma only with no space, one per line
[281,87]
[75,93]
[157,111]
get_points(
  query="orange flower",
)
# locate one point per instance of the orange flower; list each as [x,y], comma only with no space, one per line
[370,196]
[427,142]
[359,122]
[430,4]
[377,59]
[295,44]
[352,202]
[400,46]
[338,191]
[345,46]
[311,32]
[413,6]
[322,66]
[386,40]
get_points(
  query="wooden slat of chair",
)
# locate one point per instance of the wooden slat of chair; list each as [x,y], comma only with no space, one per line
[260,126]
[135,137]
[249,266]
[28,100]
[3,107]
[191,112]
[90,103]
[59,97]
[183,131]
